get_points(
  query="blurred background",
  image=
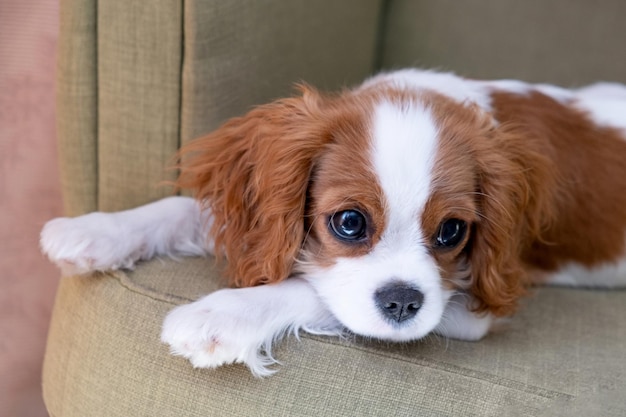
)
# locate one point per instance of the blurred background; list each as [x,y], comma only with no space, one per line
[29,195]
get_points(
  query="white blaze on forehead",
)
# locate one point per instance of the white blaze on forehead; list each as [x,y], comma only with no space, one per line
[403,154]
[404,145]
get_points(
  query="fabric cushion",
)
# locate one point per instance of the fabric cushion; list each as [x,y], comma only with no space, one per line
[104,358]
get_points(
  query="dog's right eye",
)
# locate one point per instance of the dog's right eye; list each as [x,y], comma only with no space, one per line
[348,225]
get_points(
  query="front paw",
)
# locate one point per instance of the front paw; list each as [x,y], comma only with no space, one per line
[460,322]
[93,242]
[211,333]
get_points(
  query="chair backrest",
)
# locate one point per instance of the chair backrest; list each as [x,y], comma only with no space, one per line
[137,79]
[567,42]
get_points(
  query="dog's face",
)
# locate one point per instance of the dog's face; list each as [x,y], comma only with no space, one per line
[387,202]
[388,237]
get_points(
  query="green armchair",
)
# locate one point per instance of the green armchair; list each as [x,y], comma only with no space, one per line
[137,79]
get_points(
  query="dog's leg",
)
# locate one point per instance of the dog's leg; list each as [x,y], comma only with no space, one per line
[458,322]
[174,226]
[609,275]
[240,325]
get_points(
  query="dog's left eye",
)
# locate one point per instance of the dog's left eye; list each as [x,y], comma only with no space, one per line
[348,225]
[451,233]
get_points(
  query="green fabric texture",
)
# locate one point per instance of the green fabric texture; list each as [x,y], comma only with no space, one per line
[139,70]
[137,79]
[242,53]
[77,106]
[104,358]
[131,90]
[567,42]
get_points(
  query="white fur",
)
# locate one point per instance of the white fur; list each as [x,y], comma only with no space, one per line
[404,148]
[605,102]
[523,88]
[609,275]
[107,241]
[457,88]
[240,325]
[459,322]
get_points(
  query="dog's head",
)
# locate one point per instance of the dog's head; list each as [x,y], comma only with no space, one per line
[387,201]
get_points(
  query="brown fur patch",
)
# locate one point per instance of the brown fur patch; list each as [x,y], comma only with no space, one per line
[485,168]
[343,179]
[254,174]
[541,187]
[589,196]
[454,183]
[548,185]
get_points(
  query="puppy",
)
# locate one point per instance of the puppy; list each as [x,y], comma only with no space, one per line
[417,202]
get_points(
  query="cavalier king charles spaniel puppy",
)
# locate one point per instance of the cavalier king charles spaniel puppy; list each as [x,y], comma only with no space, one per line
[417,202]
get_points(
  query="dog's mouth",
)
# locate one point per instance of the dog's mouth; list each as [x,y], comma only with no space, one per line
[398,321]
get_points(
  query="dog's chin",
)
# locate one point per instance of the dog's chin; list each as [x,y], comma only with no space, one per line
[350,289]
[361,316]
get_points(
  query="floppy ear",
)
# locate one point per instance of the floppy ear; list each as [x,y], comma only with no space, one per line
[515,180]
[252,174]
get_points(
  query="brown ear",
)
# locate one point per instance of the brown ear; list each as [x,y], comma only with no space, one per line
[252,173]
[515,181]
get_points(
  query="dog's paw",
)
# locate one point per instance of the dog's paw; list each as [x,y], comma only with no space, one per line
[93,242]
[460,322]
[213,332]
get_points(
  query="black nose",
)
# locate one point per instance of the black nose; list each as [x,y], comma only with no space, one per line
[398,302]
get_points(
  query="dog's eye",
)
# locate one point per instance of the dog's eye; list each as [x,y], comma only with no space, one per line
[348,225]
[451,233]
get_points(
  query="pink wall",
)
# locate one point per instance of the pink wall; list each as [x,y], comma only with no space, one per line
[29,195]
